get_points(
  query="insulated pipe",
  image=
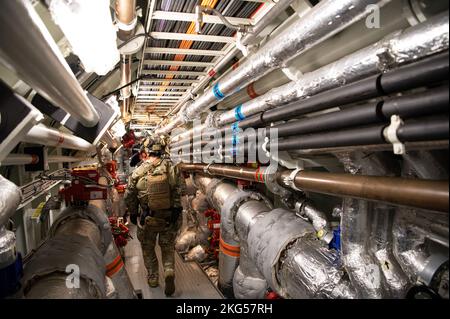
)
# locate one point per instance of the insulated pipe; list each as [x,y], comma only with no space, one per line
[28,49]
[406,106]
[416,130]
[406,77]
[80,236]
[412,44]
[415,248]
[425,194]
[10,198]
[25,159]
[324,53]
[40,134]
[381,248]
[433,101]
[360,265]
[248,39]
[221,194]
[74,241]
[320,23]
[283,249]
[248,282]
[434,69]
[19,159]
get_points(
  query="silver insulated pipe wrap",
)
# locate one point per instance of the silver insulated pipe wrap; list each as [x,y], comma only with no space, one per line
[420,244]
[322,22]
[81,236]
[307,269]
[277,248]
[401,48]
[47,273]
[10,198]
[248,282]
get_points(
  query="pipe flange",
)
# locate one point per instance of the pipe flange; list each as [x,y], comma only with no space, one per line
[270,179]
[230,208]
[135,45]
[90,213]
[211,188]
[267,241]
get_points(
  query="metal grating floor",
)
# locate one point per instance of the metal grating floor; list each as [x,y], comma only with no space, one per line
[190,280]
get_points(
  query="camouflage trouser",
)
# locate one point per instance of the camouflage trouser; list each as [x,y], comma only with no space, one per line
[166,241]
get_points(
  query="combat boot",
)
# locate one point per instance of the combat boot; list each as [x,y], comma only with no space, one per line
[153,280]
[169,278]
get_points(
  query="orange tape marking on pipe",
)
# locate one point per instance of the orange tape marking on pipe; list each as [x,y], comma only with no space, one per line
[113,267]
[229,250]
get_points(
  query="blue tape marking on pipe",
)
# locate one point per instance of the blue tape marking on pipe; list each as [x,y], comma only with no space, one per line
[235,140]
[238,113]
[217,93]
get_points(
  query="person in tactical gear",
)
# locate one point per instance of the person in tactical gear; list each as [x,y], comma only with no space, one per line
[156,186]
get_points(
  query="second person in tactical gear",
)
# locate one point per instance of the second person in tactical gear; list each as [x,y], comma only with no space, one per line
[156,186]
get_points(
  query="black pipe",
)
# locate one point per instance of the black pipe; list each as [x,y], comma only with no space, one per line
[422,73]
[419,104]
[430,70]
[424,129]
[411,76]
[429,102]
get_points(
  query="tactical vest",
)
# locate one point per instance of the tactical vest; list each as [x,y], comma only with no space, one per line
[158,188]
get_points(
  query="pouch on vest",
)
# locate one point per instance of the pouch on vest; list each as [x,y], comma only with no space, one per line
[158,192]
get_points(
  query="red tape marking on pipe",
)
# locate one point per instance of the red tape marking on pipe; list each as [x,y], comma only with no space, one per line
[257,174]
[34,159]
[113,267]
[212,73]
[251,91]
[60,139]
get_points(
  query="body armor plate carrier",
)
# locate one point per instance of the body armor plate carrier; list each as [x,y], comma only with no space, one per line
[158,192]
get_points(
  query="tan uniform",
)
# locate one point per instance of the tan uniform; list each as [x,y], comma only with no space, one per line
[161,225]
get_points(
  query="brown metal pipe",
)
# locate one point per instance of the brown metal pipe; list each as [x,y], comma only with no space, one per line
[424,194]
[243,173]
[126,14]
